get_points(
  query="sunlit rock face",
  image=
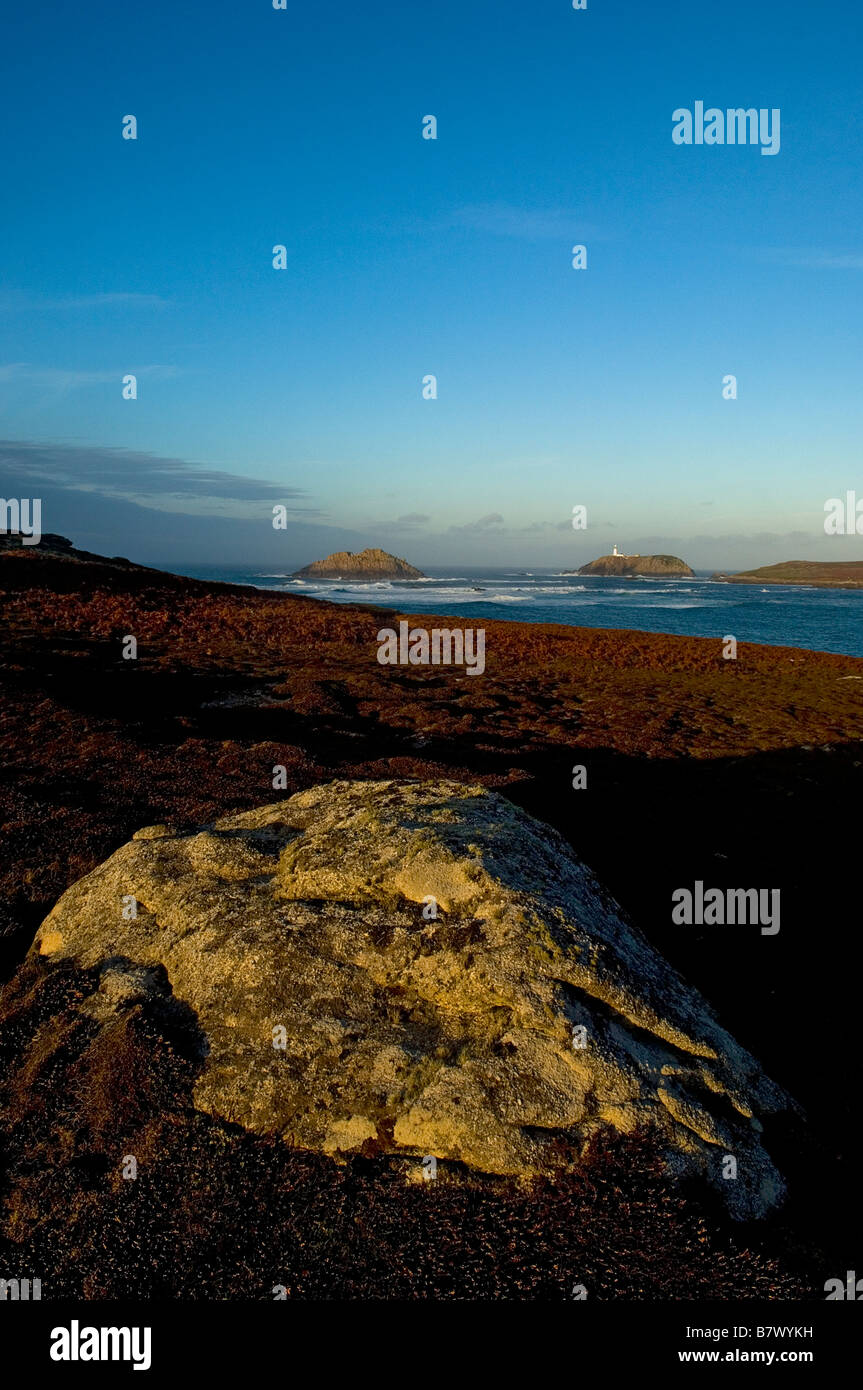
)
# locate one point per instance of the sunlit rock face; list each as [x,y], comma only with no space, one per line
[423,965]
[372,563]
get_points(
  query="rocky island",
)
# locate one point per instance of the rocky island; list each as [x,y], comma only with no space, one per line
[370,564]
[653,566]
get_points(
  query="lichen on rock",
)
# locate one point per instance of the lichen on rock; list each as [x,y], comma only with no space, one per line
[451,1030]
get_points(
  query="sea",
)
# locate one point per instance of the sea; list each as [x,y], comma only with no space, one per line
[828,620]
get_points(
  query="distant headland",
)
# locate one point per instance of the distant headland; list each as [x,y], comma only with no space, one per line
[826,574]
[369,564]
[657,566]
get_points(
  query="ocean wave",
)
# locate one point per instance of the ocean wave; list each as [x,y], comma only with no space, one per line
[372,586]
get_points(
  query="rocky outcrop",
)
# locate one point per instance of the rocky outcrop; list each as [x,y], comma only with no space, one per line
[656,566]
[368,564]
[13,540]
[421,965]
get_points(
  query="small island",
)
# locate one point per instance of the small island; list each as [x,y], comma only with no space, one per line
[826,574]
[370,564]
[626,566]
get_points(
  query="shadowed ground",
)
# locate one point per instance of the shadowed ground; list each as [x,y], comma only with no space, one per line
[739,773]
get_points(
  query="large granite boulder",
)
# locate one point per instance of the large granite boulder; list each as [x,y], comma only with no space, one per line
[425,966]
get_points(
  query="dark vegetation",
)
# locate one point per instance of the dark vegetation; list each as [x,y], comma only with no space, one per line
[743,773]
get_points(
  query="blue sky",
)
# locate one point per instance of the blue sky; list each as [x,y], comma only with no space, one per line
[407,257]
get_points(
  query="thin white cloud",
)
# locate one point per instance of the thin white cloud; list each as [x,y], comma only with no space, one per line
[21,303]
[816,260]
[98,301]
[484,523]
[71,379]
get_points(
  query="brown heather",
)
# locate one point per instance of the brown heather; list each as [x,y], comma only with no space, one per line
[737,772]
